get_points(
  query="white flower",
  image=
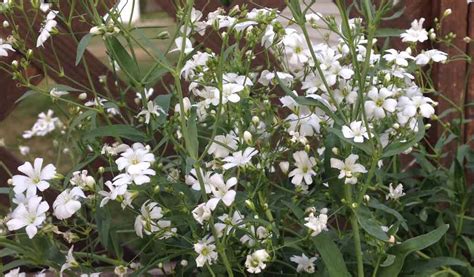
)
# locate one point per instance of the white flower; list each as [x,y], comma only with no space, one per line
[36,177]
[70,261]
[202,213]
[222,145]
[229,223]
[395,193]
[229,94]
[255,262]
[48,25]
[114,149]
[317,224]
[304,168]
[416,33]
[186,106]
[221,191]
[24,150]
[355,131]
[399,58]
[4,46]
[188,45]
[284,166]
[139,178]
[304,124]
[206,250]
[114,192]
[149,221]
[252,236]
[295,48]
[193,181]
[82,180]
[15,273]
[409,107]
[67,203]
[431,55]
[379,102]
[240,158]
[349,169]
[30,216]
[151,109]
[45,124]
[135,159]
[304,263]
[268,36]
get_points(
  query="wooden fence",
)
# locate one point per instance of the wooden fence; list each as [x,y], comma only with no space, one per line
[449,78]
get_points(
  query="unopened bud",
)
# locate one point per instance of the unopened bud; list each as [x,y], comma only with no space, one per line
[250,204]
[335,151]
[396,126]
[447,12]
[10,181]
[255,120]
[467,40]
[284,167]
[392,239]
[82,96]
[248,137]
[6,24]
[101,170]
[163,35]
[366,198]
[184,263]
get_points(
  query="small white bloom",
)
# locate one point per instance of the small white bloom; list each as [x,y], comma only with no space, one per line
[434,55]
[416,33]
[284,167]
[47,27]
[82,180]
[221,191]
[355,131]
[304,263]
[135,159]
[240,158]
[379,103]
[67,203]
[317,224]
[24,150]
[70,261]
[255,262]
[192,180]
[202,213]
[295,48]
[188,45]
[304,168]
[206,250]
[151,110]
[4,47]
[349,169]
[268,36]
[36,177]
[395,193]
[114,192]
[56,93]
[30,216]
[150,221]
[223,145]
[399,58]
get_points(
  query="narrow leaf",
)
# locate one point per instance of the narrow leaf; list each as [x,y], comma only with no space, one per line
[331,255]
[82,46]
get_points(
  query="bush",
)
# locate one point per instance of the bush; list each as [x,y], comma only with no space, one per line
[313,161]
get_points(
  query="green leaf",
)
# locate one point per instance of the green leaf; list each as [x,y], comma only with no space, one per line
[366,147]
[103,221]
[82,46]
[25,95]
[119,130]
[388,32]
[379,206]
[401,251]
[369,224]
[154,75]
[400,147]
[192,142]
[128,65]
[295,209]
[7,252]
[437,262]
[470,246]
[331,255]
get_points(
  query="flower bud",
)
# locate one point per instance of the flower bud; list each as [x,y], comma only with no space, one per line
[15,64]
[250,204]
[396,126]
[184,263]
[447,12]
[284,167]
[467,40]
[255,120]
[163,35]
[366,198]
[335,151]
[10,181]
[392,239]
[82,96]
[101,170]
[6,24]
[248,137]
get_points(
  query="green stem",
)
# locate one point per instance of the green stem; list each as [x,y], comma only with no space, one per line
[355,231]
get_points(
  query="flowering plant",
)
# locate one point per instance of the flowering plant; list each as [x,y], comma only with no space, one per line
[291,166]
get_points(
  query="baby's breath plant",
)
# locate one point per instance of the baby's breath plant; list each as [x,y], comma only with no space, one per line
[272,154]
